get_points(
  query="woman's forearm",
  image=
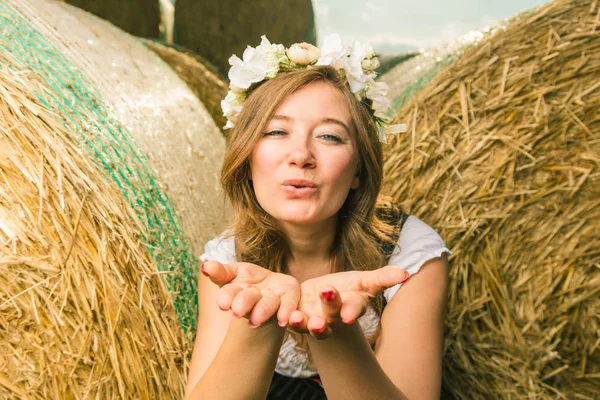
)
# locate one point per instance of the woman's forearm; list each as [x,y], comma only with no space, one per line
[244,365]
[348,367]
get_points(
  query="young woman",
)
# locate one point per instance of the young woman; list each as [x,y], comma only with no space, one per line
[296,300]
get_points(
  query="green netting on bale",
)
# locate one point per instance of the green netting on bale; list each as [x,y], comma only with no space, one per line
[111,147]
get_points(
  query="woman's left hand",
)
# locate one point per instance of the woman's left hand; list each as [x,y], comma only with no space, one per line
[340,298]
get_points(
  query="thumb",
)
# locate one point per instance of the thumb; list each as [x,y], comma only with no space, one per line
[220,274]
[384,278]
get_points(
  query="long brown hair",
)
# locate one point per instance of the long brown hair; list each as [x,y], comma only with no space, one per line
[360,232]
[257,236]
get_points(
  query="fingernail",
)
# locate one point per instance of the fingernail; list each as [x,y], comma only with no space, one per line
[319,330]
[295,322]
[203,270]
[282,323]
[251,325]
[350,321]
[328,295]
[406,276]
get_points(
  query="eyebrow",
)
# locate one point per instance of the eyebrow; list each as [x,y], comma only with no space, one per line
[322,121]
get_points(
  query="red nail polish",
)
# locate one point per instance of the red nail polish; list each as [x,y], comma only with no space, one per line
[319,330]
[350,322]
[328,295]
[406,276]
[203,270]
[295,323]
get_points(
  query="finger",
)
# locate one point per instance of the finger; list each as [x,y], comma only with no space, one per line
[331,303]
[289,303]
[264,309]
[378,280]
[318,327]
[353,307]
[245,301]
[226,295]
[220,274]
[298,322]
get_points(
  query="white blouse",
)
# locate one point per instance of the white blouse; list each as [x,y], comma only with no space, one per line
[417,244]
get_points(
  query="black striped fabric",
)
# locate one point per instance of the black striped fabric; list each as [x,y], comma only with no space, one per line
[286,388]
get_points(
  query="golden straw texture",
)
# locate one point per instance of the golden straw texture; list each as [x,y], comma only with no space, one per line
[83,311]
[502,157]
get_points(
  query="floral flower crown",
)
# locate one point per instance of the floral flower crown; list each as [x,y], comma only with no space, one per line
[265,61]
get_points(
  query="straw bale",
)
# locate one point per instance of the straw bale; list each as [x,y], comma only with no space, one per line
[108,192]
[173,131]
[201,77]
[389,61]
[138,17]
[502,157]
[83,311]
[218,29]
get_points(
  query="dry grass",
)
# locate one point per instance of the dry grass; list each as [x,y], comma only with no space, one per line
[502,156]
[83,311]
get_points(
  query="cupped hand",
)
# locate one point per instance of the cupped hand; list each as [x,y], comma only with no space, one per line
[340,297]
[251,291]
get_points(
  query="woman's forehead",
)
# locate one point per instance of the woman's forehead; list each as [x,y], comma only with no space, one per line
[318,101]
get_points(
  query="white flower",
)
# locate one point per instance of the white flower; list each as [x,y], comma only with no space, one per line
[370,51]
[354,72]
[303,53]
[370,64]
[332,52]
[275,54]
[256,65]
[377,92]
[232,107]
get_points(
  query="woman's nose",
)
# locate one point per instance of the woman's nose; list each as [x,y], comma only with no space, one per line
[301,152]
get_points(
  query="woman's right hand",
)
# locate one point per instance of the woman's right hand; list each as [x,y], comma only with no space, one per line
[251,291]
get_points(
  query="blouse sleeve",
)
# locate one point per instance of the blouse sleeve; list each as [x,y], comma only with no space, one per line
[417,244]
[221,249]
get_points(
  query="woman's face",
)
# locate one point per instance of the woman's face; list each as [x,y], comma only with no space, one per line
[305,164]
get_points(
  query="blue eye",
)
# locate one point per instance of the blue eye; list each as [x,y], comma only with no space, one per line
[274,133]
[331,138]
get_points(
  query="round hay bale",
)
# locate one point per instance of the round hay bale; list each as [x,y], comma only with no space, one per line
[389,61]
[109,173]
[218,29]
[414,72]
[201,77]
[138,17]
[502,156]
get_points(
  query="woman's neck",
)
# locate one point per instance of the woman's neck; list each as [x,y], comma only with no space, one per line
[310,247]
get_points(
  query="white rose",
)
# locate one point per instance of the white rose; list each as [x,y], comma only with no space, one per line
[370,64]
[303,53]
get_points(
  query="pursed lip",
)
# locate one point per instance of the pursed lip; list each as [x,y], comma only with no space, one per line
[299,183]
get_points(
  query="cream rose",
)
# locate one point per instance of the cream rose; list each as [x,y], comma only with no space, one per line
[303,53]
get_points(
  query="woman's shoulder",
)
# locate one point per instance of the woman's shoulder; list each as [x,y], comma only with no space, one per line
[416,233]
[417,243]
[221,248]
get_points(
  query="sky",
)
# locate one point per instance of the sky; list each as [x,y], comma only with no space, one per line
[394,26]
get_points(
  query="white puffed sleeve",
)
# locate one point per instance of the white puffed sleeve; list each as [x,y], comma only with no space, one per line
[221,249]
[417,244]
